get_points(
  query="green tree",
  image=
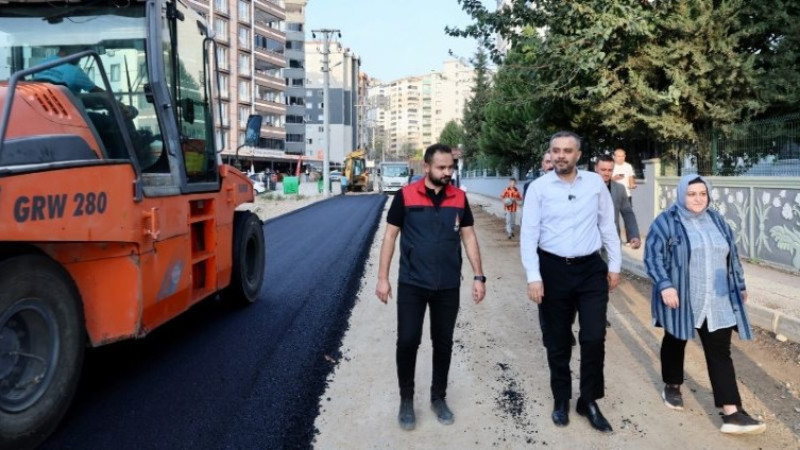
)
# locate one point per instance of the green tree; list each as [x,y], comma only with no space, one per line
[473,117]
[511,132]
[776,44]
[659,70]
[452,134]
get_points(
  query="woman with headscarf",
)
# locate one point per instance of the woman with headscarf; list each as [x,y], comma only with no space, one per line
[698,284]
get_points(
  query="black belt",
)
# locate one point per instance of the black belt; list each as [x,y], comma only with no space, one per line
[572,259]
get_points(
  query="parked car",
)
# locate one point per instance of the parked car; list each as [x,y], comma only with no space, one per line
[335,175]
[258,185]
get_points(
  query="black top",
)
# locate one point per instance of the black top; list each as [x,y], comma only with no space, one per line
[397,211]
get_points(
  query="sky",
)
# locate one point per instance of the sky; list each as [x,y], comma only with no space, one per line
[395,38]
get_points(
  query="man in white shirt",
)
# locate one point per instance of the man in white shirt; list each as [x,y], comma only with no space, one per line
[567,217]
[623,173]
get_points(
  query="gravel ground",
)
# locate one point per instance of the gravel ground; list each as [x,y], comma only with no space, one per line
[499,381]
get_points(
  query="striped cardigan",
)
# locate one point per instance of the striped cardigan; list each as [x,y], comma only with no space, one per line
[666,259]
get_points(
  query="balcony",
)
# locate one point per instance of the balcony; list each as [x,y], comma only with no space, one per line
[269,107]
[270,132]
[266,59]
[271,33]
[272,8]
[270,82]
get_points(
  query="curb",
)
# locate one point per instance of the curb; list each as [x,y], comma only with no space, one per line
[760,316]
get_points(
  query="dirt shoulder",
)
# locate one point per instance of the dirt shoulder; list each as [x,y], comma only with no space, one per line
[499,381]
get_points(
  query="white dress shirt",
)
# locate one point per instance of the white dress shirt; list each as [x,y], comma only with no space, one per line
[569,220]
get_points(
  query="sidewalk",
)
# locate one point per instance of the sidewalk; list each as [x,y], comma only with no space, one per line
[773,296]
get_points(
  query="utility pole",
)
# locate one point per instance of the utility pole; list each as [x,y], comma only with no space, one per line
[326,70]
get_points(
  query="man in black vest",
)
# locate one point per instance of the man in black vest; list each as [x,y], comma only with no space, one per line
[435,219]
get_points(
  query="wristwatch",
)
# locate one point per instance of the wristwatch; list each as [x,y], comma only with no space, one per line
[480,278]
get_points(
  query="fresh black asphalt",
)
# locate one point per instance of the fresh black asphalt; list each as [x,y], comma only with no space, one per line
[222,377]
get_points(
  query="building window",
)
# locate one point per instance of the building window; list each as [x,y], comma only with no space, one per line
[290,137]
[310,141]
[244,38]
[221,28]
[295,64]
[294,45]
[321,129]
[265,43]
[223,85]
[221,6]
[294,26]
[244,11]
[115,72]
[293,118]
[226,110]
[222,57]
[244,90]
[297,82]
[244,113]
[274,144]
[298,101]
[244,64]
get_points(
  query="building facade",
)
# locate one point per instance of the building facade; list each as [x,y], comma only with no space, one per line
[251,44]
[417,108]
[295,76]
[343,98]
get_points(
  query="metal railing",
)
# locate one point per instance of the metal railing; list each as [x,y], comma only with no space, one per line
[768,147]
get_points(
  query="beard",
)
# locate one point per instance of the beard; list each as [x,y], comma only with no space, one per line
[444,181]
[564,170]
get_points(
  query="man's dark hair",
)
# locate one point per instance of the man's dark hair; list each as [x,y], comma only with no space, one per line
[605,158]
[512,179]
[563,134]
[440,148]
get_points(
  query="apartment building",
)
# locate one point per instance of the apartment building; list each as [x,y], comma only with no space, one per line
[295,76]
[418,107]
[451,89]
[251,45]
[343,101]
[404,121]
[377,111]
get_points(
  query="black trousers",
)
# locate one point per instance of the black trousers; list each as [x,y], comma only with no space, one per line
[717,350]
[581,287]
[411,304]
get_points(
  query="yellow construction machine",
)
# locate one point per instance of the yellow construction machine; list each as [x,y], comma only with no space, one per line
[355,170]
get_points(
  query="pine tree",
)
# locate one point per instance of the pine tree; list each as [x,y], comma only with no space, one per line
[473,117]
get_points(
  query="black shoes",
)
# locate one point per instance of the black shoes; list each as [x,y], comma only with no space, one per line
[672,396]
[591,411]
[406,415]
[443,413]
[741,423]
[561,413]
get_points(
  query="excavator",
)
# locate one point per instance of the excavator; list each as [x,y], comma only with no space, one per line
[355,170]
[116,211]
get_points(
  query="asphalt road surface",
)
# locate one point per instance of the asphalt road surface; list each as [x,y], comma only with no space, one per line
[224,377]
